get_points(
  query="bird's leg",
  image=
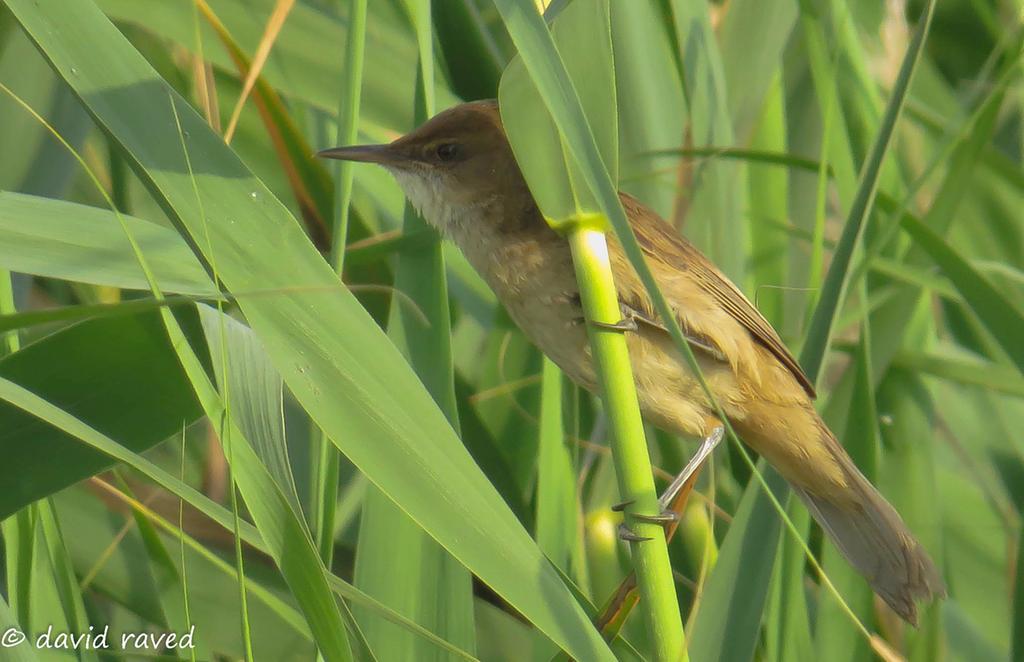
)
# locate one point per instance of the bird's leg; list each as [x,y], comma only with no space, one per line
[707,446]
[666,515]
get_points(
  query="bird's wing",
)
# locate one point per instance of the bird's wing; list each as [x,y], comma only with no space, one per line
[661,242]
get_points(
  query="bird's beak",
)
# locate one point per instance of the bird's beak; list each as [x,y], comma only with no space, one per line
[382,154]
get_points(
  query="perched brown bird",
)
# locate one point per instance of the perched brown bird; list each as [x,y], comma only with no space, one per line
[459,172]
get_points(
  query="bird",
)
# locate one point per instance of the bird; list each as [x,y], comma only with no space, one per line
[459,171]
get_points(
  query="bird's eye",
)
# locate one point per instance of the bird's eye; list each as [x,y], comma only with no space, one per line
[447,151]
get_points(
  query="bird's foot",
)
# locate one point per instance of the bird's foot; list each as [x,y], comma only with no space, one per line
[622,326]
[668,516]
[626,533]
[664,518]
[629,322]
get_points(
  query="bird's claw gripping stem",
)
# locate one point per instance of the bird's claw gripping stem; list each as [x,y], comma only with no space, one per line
[625,533]
[667,516]
[664,518]
[624,325]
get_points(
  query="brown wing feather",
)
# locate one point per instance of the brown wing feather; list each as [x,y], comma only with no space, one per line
[661,242]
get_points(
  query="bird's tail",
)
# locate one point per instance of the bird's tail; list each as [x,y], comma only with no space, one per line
[869,532]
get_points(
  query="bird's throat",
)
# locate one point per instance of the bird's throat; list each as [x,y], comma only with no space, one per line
[425,192]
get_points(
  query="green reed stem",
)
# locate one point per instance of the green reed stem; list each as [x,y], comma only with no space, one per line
[326,456]
[628,442]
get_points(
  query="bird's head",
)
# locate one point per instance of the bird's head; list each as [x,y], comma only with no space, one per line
[455,163]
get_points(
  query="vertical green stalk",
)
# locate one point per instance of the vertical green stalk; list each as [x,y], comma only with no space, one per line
[10,339]
[223,431]
[327,458]
[348,126]
[19,529]
[628,443]
[556,480]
